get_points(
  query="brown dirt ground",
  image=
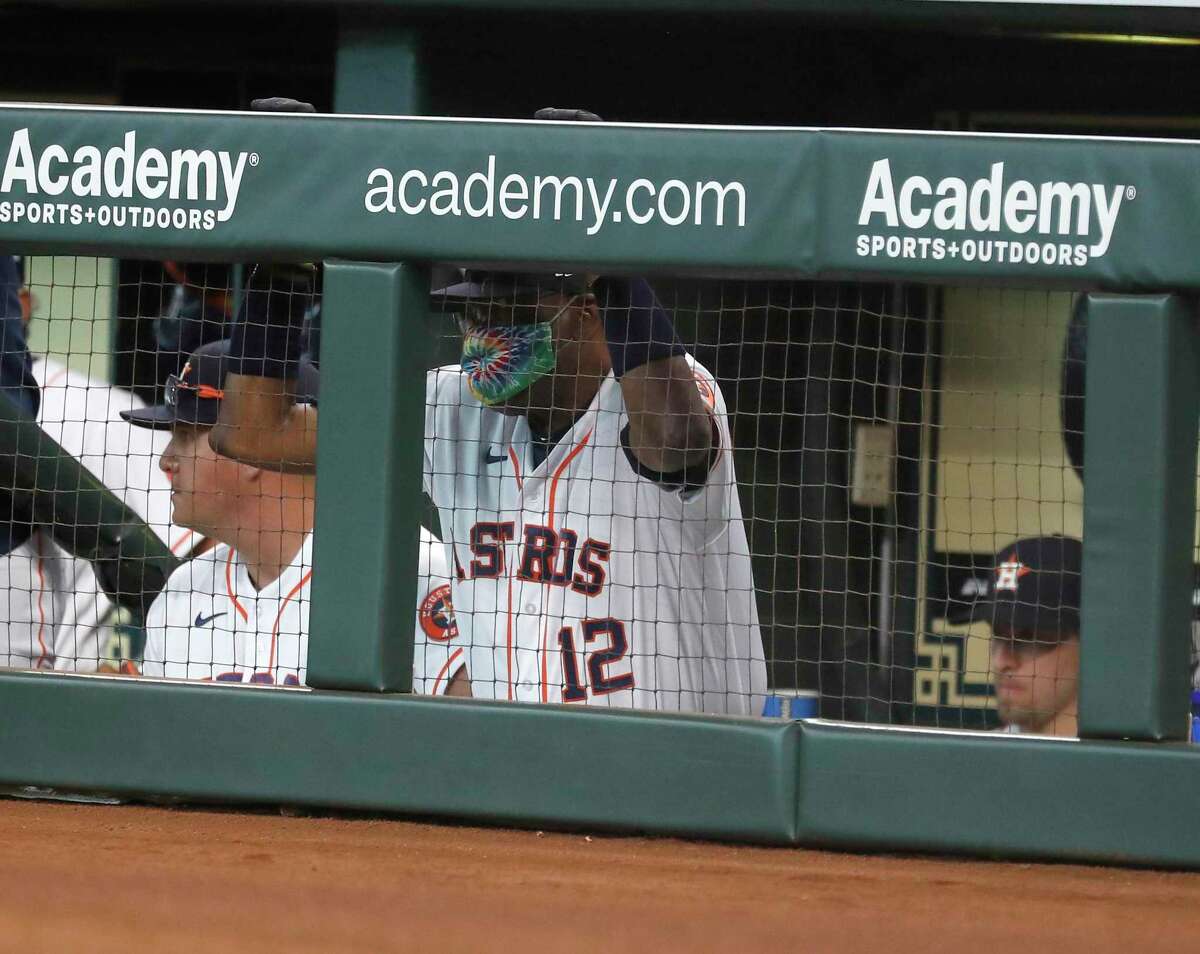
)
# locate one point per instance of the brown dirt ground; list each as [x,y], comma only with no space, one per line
[126,878]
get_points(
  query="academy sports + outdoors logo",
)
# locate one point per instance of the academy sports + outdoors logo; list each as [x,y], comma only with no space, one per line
[45,181]
[1068,223]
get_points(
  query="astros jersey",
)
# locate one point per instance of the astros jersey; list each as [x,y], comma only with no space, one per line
[211,623]
[53,613]
[579,580]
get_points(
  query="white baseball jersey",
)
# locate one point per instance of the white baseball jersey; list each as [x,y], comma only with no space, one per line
[211,623]
[580,580]
[53,613]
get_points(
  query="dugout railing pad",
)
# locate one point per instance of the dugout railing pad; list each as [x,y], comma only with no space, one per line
[810,783]
[1087,214]
[1071,212]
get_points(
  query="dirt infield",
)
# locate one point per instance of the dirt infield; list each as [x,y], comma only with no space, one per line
[99,878]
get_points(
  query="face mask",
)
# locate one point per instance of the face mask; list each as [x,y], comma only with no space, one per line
[501,361]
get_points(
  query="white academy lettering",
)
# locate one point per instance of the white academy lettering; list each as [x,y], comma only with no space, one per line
[987,204]
[124,172]
[588,201]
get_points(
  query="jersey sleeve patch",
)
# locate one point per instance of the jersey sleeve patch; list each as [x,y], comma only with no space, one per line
[436,615]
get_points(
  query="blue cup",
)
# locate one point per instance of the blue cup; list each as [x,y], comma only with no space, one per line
[1196,715]
[792,704]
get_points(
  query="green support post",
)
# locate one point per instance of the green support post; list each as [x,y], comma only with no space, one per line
[379,67]
[376,348]
[375,351]
[1143,395]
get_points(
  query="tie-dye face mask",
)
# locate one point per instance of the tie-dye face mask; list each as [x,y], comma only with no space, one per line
[501,361]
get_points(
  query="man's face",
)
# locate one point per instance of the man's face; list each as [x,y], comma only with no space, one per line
[1037,677]
[205,487]
[504,330]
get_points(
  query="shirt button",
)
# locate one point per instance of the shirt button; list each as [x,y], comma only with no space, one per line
[530,608]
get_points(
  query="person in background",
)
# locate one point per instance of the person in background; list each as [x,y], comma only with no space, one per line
[53,611]
[238,611]
[1032,603]
[16,375]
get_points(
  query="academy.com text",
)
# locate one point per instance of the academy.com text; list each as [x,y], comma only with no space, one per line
[593,203]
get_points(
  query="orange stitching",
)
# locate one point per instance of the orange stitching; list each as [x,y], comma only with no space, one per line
[445,669]
[512,455]
[561,467]
[41,612]
[229,588]
[178,544]
[508,636]
[553,491]
[278,616]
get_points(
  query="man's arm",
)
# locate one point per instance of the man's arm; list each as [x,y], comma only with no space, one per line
[670,428]
[261,424]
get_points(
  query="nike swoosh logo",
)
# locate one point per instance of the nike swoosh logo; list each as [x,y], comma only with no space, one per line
[202,620]
[490,458]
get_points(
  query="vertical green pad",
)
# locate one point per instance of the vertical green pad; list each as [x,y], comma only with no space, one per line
[1139,516]
[376,347]
[374,356]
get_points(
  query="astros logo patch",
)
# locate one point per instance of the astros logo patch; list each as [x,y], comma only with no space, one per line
[1008,573]
[437,615]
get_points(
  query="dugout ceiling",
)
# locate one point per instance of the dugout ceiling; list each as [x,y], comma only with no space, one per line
[1111,15]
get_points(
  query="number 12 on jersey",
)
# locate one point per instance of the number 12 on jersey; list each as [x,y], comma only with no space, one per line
[602,681]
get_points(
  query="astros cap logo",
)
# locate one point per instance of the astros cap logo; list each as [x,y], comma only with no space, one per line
[1008,573]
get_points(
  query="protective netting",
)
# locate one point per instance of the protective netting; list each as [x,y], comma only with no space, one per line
[889,445]
[818,490]
[79,566]
[1004,516]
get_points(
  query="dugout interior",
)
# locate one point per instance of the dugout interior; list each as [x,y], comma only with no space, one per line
[888,438]
[882,644]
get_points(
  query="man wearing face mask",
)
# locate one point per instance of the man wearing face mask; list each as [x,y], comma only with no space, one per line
[580,461]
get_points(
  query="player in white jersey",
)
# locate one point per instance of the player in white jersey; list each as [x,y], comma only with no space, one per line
[581,463]
[239,612]
[55,613]
[213,623]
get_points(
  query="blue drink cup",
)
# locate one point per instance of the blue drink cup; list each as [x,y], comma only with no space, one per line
[1196,715]
[792,704]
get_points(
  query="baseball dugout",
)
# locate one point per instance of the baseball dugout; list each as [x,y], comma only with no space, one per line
[877,322]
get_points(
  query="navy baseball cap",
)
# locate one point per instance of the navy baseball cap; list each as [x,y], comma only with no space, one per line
[194,395]
[1034,585]
[480,285]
